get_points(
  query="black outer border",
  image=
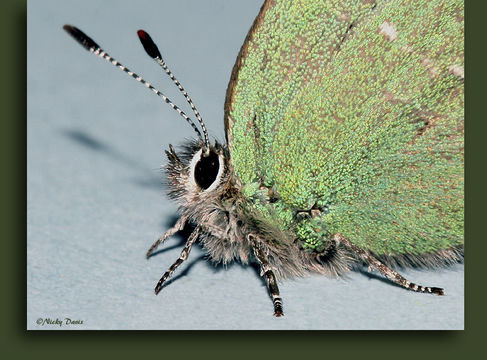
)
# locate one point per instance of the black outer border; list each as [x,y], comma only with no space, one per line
[16,341]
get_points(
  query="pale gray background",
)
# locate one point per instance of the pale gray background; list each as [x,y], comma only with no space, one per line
[95,199]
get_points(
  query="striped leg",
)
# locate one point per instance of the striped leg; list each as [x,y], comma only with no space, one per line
[274,290]
[184,255]
[177,227]
[386,271]
[270,278]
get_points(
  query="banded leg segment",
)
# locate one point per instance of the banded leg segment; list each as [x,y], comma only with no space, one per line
[184,255]
[385,270]
[270,278]
[274,290]
[177,227]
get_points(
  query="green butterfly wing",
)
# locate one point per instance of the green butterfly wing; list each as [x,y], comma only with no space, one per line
[354,108]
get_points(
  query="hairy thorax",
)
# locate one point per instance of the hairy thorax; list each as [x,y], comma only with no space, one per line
[228,226]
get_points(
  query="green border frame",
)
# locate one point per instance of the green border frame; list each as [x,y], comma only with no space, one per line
[16,341]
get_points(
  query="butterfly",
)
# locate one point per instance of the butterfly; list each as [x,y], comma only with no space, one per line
[344,143]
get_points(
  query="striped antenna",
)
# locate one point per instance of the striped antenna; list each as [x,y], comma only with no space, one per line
[152,50]
[94,48]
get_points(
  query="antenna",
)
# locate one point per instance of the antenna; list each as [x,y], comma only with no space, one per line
[94,48]
[152,50]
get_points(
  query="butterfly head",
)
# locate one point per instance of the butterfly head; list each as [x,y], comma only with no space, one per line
[201,170]
[197,172]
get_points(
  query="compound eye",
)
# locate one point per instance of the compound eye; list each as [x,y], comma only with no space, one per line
[207,170]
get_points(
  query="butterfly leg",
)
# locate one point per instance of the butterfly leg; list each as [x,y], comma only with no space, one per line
[184,255]
[177,227]
[270,278]
[385,270]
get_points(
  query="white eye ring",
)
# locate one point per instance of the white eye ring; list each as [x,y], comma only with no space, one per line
[192,166]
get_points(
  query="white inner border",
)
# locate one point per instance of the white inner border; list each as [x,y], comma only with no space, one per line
[192,166]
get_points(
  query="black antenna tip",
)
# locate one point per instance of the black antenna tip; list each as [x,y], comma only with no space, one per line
[149,45]
[81,37]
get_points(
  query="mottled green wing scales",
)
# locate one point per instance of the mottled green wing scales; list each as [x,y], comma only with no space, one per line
[357,111]
[292,43]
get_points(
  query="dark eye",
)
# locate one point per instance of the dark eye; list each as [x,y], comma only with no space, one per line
[206,170]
